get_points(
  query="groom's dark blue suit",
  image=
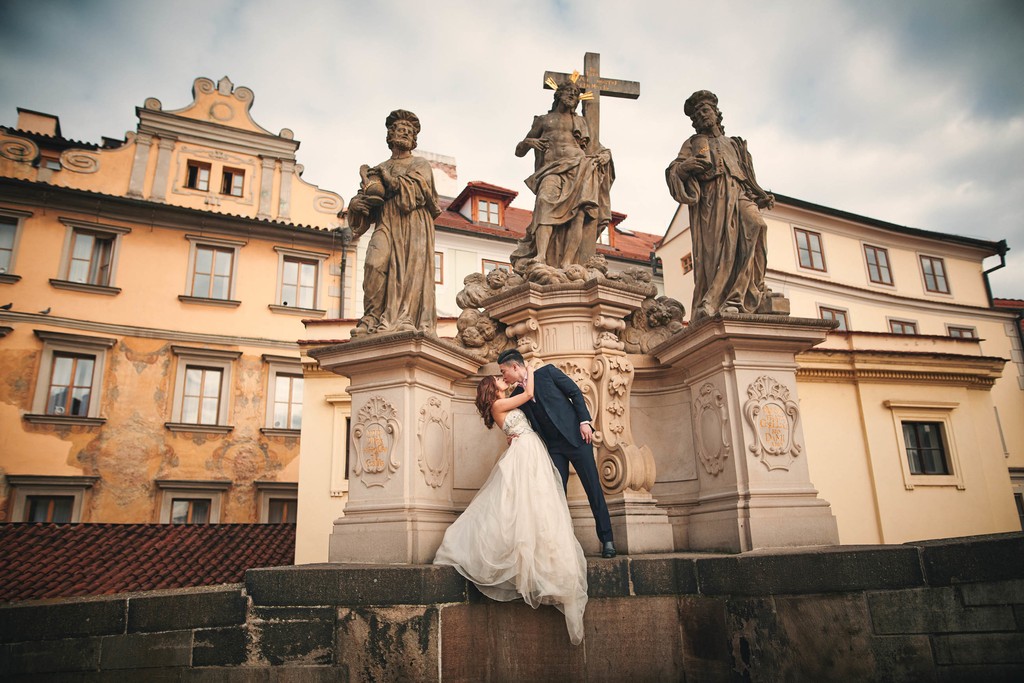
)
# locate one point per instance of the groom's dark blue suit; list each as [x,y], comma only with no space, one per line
[555,413]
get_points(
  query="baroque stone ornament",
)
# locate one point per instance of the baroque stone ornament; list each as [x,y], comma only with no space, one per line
[711,428]
[435,433]
[374,436]
[622,464]
[773,416]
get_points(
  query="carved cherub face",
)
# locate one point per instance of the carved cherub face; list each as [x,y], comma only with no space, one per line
[497,278]
[471,338]
[487,328]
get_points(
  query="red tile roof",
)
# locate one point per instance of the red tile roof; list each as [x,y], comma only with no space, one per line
[66,560]
[632,246]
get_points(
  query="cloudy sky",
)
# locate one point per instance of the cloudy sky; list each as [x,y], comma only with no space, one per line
[908,111]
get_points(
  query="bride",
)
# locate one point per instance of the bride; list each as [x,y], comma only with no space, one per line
[515,539]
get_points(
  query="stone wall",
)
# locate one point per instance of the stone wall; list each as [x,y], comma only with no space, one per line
[947,610]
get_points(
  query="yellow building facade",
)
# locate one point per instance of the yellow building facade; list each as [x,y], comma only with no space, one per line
[912,409]
[151,294]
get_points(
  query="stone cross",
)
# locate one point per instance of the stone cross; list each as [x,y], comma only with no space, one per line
[592,82]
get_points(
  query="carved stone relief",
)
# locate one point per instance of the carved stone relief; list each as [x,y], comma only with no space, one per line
[621,463]
[17,149]
[711,429]
[374,437]
[79,161]
[434,431]
[773,416]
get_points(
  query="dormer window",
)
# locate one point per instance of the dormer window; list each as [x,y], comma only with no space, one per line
[487,212]
[198,176]
[232,181]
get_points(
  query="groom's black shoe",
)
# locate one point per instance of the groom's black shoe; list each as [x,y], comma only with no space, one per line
[608,549]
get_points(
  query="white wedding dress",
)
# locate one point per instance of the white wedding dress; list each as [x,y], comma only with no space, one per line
[515,538]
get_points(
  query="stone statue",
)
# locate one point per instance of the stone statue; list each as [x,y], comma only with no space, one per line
[714,176]
[572,183]
[398,198]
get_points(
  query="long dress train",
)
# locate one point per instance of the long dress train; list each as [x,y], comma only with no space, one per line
[515,538]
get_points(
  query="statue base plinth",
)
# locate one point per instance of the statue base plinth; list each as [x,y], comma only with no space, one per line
[401,450]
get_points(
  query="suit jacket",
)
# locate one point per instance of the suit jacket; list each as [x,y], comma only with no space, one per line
[561,399]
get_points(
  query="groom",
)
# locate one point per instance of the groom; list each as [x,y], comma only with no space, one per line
[559,414]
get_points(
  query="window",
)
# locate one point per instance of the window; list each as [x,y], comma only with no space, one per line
[282,511]
[55,509]
[278,501]
[687,262]
[438,268]
[902,327]
[299,282]
[284,392]
[8,239]
[808,246]
[925,451]
[878,265]
[836,314]
[489,265]
[50,499]
[231,182]
[202,390]
[49,162]
[934,270]
[197,176]
[90,258]
[68,388]
[487,212]
[962,332]
[191,502]
[212,270]
[71,381]
[925,443]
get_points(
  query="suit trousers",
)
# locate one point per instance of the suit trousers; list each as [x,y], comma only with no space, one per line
[582,458]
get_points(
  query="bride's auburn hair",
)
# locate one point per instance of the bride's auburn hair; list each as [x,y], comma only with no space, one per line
[487,393]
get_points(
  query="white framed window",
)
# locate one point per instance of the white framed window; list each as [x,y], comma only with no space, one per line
[10,236]
[202,390]
[962,332]
[278,501]
[284,395]
[191,502]
[840,315]
[438,268]
[926,443]
[90,255]
[299,275]
[232,181]
[933,270]
[902,326]
[69,386]
[197,176]
[51,499]
[810,253]
[212,270]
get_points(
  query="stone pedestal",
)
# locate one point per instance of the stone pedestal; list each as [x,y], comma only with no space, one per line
[575,327]
[401,452]
[754,486]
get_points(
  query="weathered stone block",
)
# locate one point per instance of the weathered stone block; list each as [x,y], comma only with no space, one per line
[74,654]
[993,593]
[822,570]
[934,610]
[339,584]
[997,557]
[705,640]
[389,643]
[177,611]
[639,640]
[244,674]
[219,646]
[608,578]
[829,637]
[903,659]
[979,648]
[59,620]
[663,576]
[146,650]
[294,642]
[294,613]
[981,673]
[756,643]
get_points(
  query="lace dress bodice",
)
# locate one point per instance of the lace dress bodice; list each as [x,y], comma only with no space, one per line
[516,423]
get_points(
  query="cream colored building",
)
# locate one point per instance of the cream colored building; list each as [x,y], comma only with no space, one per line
[912,409]
[152,290]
